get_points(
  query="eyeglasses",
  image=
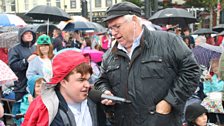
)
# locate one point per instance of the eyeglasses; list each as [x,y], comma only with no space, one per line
[116,27]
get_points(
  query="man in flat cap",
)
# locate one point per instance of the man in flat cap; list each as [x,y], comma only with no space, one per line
[153,69]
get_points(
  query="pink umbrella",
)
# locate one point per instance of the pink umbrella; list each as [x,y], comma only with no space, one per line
[95,55]
[6,74]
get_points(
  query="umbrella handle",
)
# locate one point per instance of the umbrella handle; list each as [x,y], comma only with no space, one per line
[47,26]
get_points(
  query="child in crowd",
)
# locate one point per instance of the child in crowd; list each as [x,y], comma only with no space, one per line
[196,115]
[41,64]
[34,85]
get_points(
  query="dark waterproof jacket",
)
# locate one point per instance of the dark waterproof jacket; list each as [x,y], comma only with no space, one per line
[17,58]
[57,43]
[161,68]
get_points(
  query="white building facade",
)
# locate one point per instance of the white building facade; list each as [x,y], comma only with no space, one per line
[72,7]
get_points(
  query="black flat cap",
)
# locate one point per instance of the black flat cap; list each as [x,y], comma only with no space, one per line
[121,9]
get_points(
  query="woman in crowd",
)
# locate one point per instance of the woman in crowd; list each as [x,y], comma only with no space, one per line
[41,64]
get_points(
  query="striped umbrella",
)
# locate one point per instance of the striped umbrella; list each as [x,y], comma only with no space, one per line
[11,20]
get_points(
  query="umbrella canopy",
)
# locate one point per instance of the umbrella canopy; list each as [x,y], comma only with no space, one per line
[78,18]
[218,28]
[44,12]
[6,74]
[8,39]
[173,16]
[62,24]
[11,20]
[98,27]
[43,28]
[203,31]
[95,55]
[204,52]
[74,26]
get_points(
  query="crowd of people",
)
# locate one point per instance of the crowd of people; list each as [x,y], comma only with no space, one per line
[160,72]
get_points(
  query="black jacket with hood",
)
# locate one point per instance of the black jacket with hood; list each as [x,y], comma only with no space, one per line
[17,57]
[162,67]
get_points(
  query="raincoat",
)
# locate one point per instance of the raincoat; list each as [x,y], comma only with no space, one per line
[17,58]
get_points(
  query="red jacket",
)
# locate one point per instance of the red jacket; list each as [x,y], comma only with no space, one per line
[37,114]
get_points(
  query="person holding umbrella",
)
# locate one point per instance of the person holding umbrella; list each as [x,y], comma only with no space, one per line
[155,70]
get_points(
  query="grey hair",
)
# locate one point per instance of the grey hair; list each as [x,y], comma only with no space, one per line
[129,18]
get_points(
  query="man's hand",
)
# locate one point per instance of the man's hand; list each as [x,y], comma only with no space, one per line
[163,107]
[106,101]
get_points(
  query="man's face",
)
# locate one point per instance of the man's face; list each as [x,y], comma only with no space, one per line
[76,88]
[27,36]
[122,30]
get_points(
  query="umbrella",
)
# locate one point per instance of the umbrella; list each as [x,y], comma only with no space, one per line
[204,52]
[44,12]
[203,31]
[95,55]
[173,16]
[6,74]
[98,27]
[8,39]
[218,28]
[49,13]
[43,28]
[62,24]
[74,26]
[11,20]
[78,18]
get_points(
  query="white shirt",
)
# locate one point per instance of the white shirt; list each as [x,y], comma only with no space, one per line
[81,113]
[136,43]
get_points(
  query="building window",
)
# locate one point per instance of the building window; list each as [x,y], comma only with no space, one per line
[26,4]
[97,3]
[108,3]
[58,3]
[13,6]
[72,3]
[48,2]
